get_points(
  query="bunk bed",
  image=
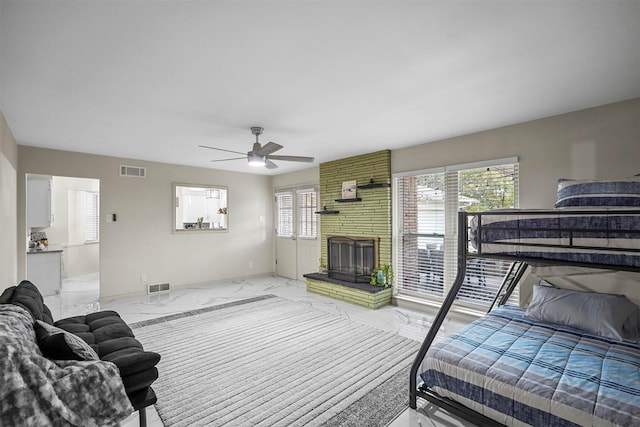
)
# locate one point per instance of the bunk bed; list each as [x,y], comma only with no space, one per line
[541,366]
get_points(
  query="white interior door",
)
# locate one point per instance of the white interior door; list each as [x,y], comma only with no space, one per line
[286,261]
[297,247]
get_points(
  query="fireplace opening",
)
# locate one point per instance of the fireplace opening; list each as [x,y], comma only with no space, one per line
[352,259]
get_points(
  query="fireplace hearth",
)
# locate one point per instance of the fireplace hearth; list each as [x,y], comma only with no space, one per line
[352,259]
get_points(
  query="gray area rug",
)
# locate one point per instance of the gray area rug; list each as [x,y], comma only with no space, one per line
[268,361]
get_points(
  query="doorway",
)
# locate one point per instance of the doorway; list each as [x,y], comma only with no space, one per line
[297,243]
[66,212]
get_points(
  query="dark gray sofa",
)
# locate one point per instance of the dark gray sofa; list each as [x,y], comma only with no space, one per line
[104,331]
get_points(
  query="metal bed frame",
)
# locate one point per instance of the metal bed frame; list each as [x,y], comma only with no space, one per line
[515,273]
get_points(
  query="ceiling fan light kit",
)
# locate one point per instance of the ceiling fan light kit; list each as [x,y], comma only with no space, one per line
[261,155]
[255,160]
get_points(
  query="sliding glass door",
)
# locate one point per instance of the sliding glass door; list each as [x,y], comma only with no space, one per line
[426,207]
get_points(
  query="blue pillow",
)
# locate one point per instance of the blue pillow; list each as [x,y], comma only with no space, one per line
[607,315]
[585,193]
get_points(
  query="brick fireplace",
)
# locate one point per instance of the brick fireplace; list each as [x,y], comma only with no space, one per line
[356,222]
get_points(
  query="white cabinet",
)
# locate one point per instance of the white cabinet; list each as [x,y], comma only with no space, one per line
[44,269]
[38,202]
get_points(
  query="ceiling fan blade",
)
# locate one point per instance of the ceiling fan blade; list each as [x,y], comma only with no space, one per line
[292,158]
[219,149]
[269,164]
[233,158]
[268,148]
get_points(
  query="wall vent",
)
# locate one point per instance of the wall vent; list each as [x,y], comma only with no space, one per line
[134,171]
[158,288]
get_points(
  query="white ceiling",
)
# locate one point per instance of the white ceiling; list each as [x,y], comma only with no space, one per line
[152,80]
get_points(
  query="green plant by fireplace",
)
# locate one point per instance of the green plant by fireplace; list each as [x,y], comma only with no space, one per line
[382,276]
[322,266]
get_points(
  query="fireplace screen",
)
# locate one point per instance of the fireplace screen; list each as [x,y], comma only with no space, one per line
[352,259]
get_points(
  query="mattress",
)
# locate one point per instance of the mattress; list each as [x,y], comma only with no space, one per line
[610,237]
[519,372]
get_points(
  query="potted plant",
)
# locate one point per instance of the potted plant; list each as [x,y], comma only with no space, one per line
[382,276]
[322,267]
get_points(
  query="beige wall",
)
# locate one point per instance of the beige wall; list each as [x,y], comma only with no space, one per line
[602,143]
[306,177]
[141,241]
[8,222]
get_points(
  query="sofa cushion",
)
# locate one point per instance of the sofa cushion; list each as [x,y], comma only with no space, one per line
[139,380]
[111,346]
[91,317]
[109,332]
[27,295]
[113,341]
[7,295]
[58,344]
[131,360]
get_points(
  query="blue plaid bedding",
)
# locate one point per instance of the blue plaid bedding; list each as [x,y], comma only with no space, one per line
[519,372]
[609,237]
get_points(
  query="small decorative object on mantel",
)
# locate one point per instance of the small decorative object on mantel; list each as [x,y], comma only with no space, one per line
[349,190]
[222,211]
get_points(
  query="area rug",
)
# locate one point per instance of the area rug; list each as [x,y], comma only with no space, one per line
[268,361]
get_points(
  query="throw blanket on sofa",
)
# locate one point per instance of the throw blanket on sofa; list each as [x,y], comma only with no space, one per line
[36,391]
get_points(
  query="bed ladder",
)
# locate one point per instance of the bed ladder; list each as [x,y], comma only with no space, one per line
[509,283]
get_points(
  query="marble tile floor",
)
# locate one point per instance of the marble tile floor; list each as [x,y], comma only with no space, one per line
[80,295]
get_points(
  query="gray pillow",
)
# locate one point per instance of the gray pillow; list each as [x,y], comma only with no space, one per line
[58,344]
[607,315]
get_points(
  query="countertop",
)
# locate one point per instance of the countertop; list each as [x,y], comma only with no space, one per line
[47,249]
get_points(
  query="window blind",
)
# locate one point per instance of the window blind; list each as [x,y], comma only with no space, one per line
[427,206]
[91,216]
[284,213]
[307,219]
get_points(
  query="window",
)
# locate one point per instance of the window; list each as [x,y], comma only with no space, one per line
[427,203]
[200,208]
[284,214]
[306,220]
[91,218]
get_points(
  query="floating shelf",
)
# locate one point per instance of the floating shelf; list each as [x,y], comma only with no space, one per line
[354,199]
[326,211]
[372,184]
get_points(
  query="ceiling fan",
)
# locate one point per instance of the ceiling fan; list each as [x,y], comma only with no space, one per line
[261,155]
